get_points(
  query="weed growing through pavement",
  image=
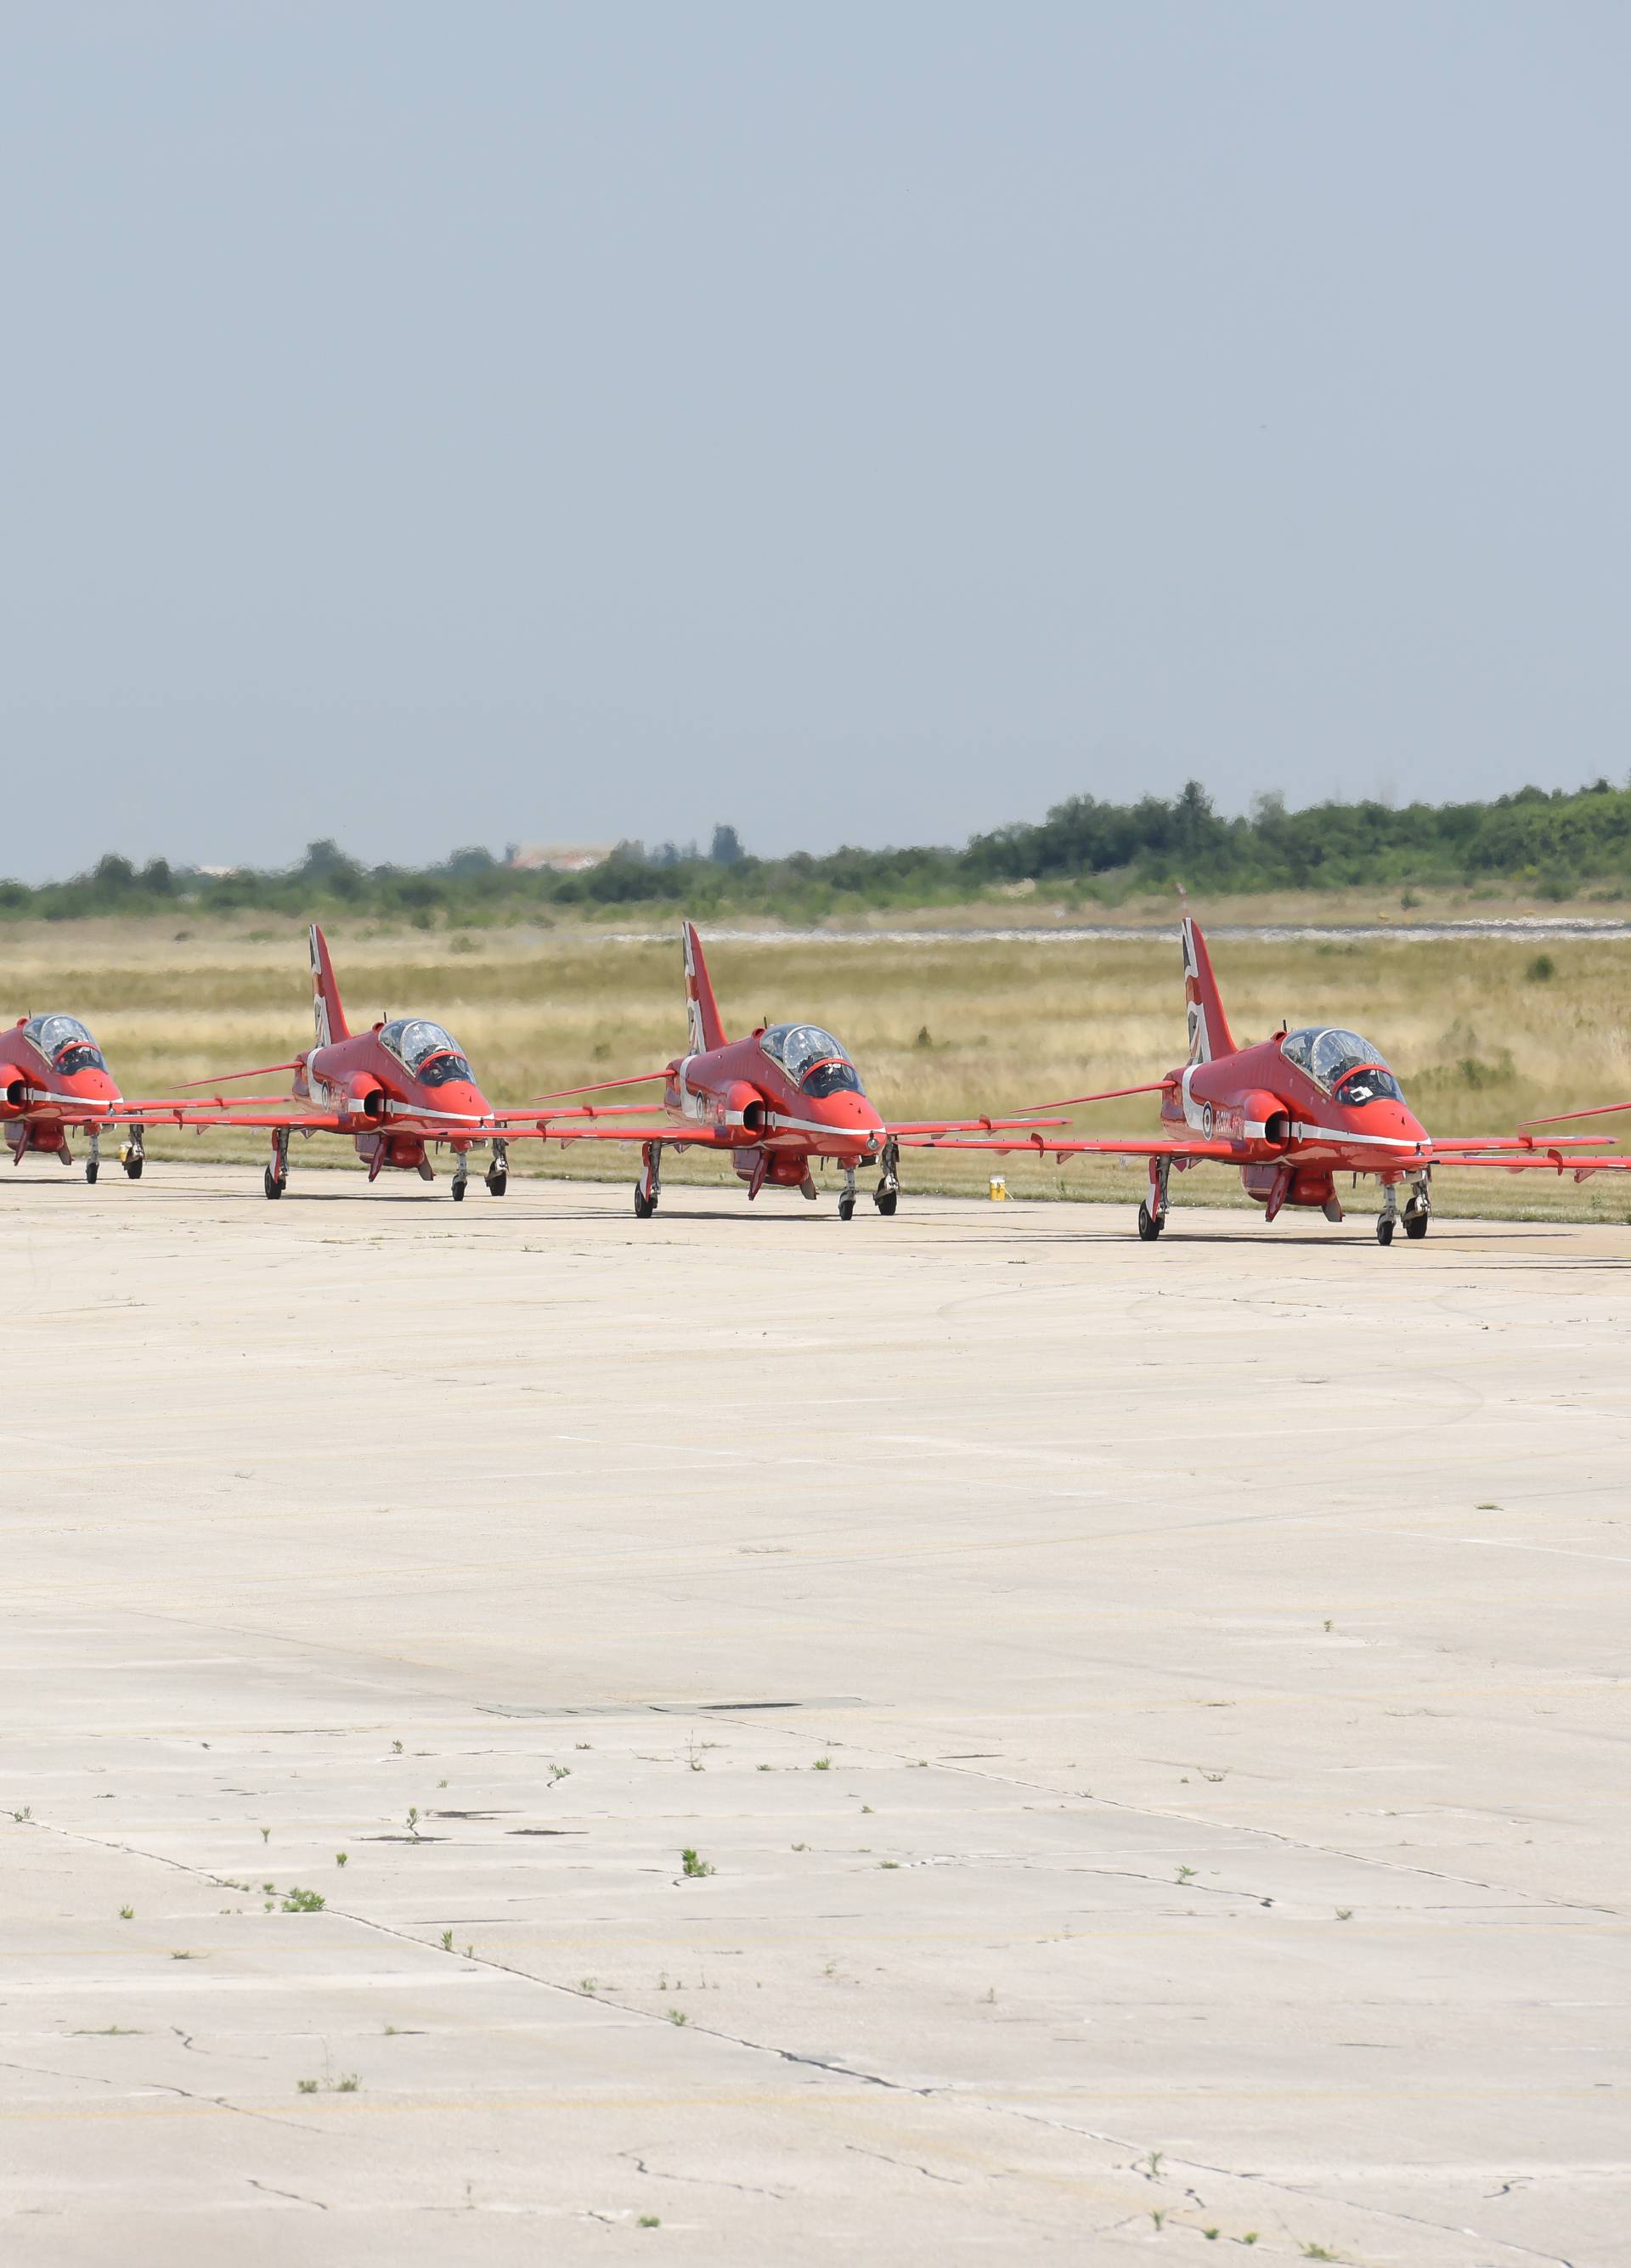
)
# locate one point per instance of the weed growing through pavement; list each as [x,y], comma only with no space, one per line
[649,2220]
[1186,1874]
[889,1866]
[447,1941]
[560,1771]
[396,1748]
[127,1913]
[266,1834]
[821,1764]
[693,1866]
[678,2017]
[304,1901]
[339,1858]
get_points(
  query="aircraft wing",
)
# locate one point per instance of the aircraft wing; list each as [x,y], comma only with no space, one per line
[1047,1146]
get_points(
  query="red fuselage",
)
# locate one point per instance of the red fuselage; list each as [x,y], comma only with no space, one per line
[52,1076]
[382,1104]
[1291,1130]
[776,1118]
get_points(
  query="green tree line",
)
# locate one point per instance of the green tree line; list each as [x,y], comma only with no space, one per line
[1086,851]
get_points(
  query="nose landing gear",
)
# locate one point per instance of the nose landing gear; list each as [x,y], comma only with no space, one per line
[886,1194]
[846,1196]
[460,1176]
[92,1164]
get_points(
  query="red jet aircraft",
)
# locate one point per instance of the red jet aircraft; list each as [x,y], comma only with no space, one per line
[397,1090]
[1293,1112]
[54,1078]
[774,1103]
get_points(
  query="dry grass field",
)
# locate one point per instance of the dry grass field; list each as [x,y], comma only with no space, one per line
[1482,1031]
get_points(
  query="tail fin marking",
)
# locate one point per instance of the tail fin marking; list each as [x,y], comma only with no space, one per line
[1209,1035]
[328,1013]
[705,1029]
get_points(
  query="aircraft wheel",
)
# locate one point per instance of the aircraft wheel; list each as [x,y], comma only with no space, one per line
[886,1201]
[1415,1226]
[133,1166]
[1385,1229]
[846,1207]
[458,1192]
[498,1183]
[274,1188]
[1150,1224]
[90,1169]
[644,1207]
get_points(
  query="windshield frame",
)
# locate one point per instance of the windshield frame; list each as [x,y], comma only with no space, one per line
[1328,1053]
[70,1036]
[816,1049]
[440,1042]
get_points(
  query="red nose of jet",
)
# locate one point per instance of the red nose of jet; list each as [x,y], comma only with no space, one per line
[848,1114]
[464,1099]
[89,1085]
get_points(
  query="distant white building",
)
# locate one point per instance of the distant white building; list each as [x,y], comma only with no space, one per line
[559,857]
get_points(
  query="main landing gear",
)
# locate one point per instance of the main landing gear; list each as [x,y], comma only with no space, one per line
[886,1194]
[497,1174]
[648,1188]
[276,1178]
[1153,1211]
[132,1157]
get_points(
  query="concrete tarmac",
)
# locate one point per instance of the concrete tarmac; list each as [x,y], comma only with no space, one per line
[1148,1722]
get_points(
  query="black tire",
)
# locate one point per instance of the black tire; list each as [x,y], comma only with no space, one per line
[497,1184]
[133,1166]
[846,1207]
[457,1192]
[1149,1224]
[886,1201]
[273,1187]
[90,1169]
[1385,1229]
[1415,1226]
[644,1207]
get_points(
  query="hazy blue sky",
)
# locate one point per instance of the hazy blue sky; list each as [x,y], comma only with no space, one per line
[437,423]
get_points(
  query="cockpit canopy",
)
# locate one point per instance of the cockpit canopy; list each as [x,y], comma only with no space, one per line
[64,1042]
[425,1051]
[812,1059]
[1343,1065]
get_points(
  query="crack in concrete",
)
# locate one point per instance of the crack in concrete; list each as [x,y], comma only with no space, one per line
[316,2204]
[907,2164]
[700,2180]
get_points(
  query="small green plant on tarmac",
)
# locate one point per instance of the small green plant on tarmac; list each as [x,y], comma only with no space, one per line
[1151,2168]
[413,1821]
[23,1816]
[447,1941]
[889,1866]
[266,1834]
[1186,1874]
[693,1866]
[127,1913]
[1158,2215]
[347,2083]
[560,1771]
[1317,2252]
[304,1901]
[821,1764]
[184,1956]
[340,1858]
[306,2086]
[1212,2235]
[649,2220]
[396,1748]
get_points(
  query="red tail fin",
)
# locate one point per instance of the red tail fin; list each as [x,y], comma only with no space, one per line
[707,1031]
[328,1013]
[1209,1035]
